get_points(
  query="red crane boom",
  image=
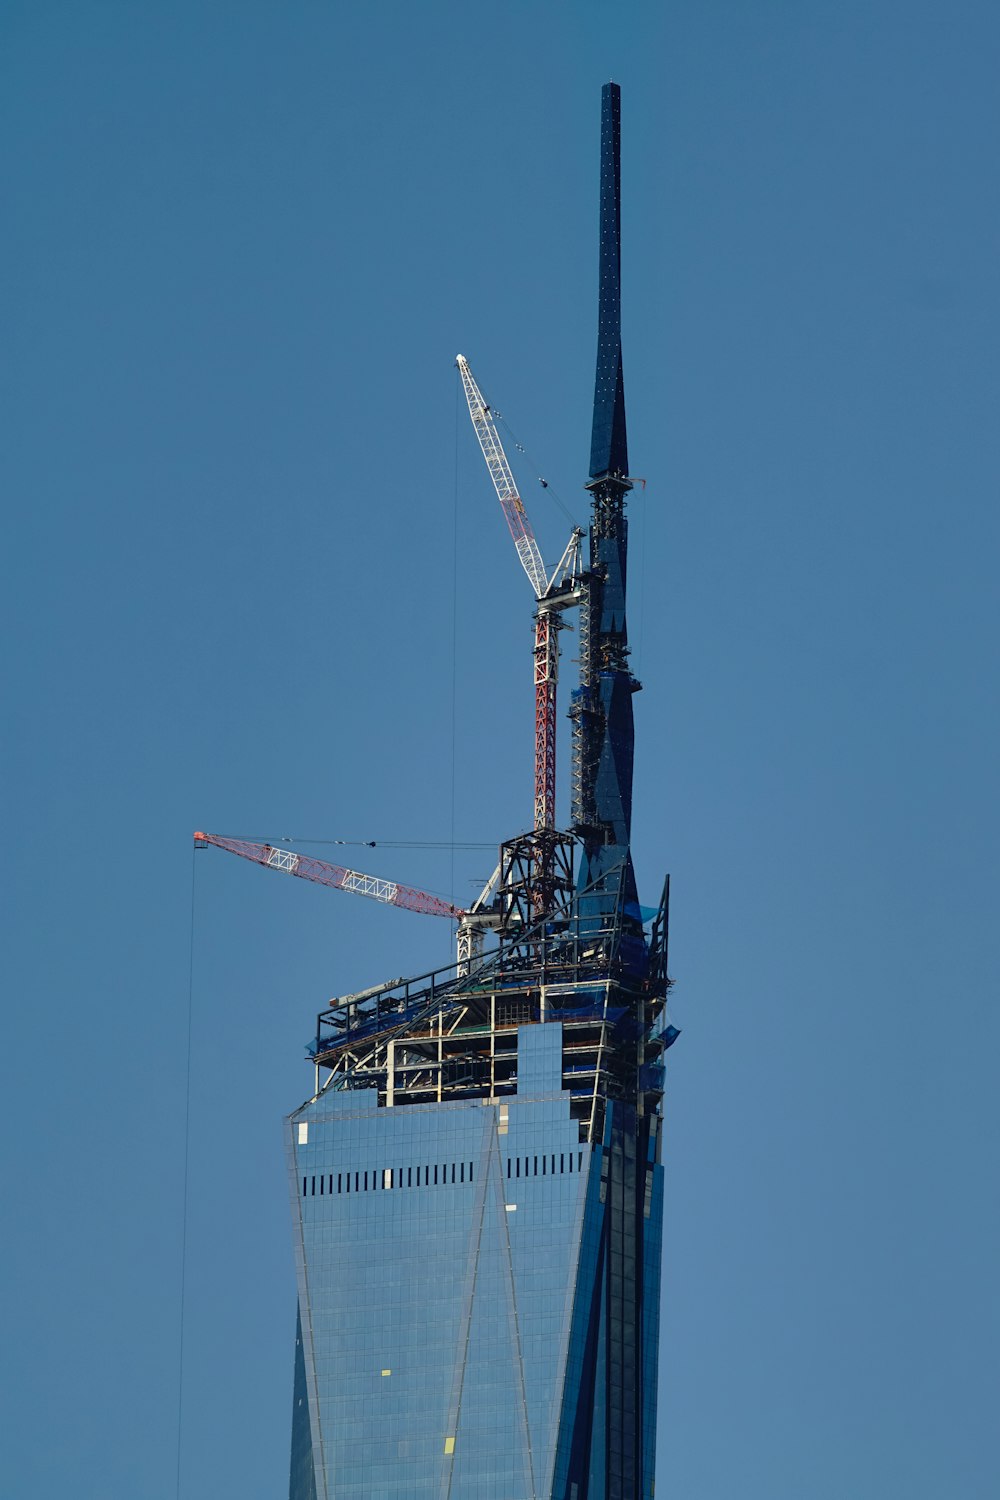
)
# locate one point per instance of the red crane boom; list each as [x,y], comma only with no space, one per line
[337,876]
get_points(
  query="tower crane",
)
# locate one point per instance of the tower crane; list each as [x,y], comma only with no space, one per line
[565,587]
[553,594]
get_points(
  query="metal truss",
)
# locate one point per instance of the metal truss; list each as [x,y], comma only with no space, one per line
[451,1035]
[338,877]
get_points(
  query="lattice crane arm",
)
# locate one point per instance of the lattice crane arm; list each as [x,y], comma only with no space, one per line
[337,876]
[503,481]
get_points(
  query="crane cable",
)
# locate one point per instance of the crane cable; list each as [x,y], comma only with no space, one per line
[547,486]
[246,838]
[454,633]
[184,1187]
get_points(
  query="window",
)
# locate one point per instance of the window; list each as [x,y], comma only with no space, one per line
[384,1178]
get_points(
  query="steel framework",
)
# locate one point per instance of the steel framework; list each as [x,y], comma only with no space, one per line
[452,1033]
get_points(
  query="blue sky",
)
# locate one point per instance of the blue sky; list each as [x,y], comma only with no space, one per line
[252,548]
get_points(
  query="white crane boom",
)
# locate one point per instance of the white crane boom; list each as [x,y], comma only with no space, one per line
[503,481]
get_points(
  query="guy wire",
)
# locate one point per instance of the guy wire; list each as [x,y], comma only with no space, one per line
[184,1190]
[454,632]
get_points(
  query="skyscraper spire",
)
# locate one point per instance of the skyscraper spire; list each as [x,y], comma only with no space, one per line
[608,444]
[608,737]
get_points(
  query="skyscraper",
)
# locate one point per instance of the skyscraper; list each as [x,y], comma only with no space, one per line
[476,1185]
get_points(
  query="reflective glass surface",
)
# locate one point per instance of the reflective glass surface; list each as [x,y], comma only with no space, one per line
[448,1259]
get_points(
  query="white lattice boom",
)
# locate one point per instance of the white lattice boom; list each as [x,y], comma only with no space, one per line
[503,481]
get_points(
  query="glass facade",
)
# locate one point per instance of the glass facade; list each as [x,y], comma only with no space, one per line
[470,1284]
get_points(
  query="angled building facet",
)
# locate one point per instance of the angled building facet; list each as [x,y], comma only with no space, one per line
[476,1185]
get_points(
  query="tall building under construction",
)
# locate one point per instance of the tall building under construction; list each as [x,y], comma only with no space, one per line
[476,1182]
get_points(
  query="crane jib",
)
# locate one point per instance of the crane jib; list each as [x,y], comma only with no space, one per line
[336,877]
[503,482]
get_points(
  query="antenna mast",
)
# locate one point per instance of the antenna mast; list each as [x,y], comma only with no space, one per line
[604,736]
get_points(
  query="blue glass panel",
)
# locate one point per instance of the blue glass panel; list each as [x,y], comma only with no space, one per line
[440,1287]
[539,1059]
